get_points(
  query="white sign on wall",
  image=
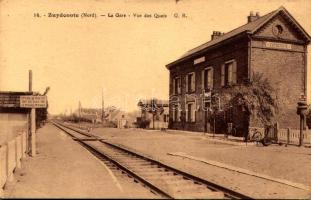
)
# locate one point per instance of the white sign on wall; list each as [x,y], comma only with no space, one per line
[29,101]
[278,45]
[199,60]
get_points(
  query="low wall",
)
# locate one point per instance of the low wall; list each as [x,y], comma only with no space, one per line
[11,154]
[158,125]
[11,124]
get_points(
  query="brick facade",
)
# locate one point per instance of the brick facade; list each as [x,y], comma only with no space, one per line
[274,45]
[214,59]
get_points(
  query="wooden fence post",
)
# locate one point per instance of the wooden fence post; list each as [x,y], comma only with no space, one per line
[287,140]
[276,133]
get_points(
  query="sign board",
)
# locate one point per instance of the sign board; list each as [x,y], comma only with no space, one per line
[207,94]
[29,101]
[277,45]
[199,60]
[191,97]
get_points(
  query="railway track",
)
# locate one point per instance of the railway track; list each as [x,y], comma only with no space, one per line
[161,179]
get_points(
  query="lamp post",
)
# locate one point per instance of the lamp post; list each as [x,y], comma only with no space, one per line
[301,111]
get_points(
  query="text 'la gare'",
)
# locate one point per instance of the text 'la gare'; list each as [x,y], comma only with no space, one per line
[137,15]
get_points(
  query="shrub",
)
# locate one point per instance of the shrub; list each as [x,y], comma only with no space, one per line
[257,97]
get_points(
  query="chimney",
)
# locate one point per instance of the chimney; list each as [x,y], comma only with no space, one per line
[216,34]
[252,17]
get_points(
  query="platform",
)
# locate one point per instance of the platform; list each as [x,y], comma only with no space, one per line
[62,169]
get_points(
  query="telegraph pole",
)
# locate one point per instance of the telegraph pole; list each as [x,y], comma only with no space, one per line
[30,80]
[33,121]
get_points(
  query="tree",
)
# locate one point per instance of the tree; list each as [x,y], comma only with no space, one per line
[257,97]
[42,113]
[154,107]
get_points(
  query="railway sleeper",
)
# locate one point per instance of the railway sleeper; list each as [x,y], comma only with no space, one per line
[189,192]
[210,195]
[154,175]
[195,192]
[122,155]
[188,188]
[175,180]
[157,173]
[148,170]
[127,157]
[137,164]
[145,163]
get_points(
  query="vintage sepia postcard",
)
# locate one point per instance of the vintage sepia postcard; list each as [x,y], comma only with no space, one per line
[155,99]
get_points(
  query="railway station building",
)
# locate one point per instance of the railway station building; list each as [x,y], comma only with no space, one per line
[274,45]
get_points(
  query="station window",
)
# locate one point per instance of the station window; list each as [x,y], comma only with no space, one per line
[228,73]
[177,85]
[190,82]
[176,114]
[191,111]
[207,78]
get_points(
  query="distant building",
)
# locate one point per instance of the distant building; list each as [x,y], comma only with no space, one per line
[92,114]
[156,112]
[274,44]
[112,116]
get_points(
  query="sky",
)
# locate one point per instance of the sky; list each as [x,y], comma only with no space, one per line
[125,58]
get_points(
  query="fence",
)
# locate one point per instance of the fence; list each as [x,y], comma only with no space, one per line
[282,135]
[291,136]
[11,154]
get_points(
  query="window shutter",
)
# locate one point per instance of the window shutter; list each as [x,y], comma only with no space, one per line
[179,85]
[230,70]
[173,112]
[211,78]
[187,77]
[187,112]
[234,73]
[202,79]
[193,82]
[173,83]
[223,75]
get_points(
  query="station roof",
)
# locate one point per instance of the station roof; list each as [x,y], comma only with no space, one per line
[249,28]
